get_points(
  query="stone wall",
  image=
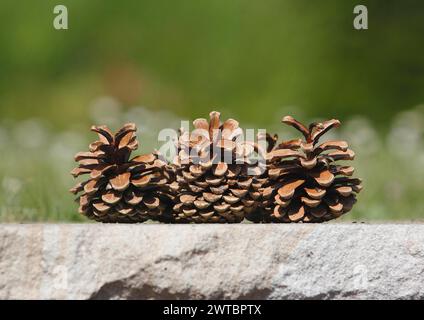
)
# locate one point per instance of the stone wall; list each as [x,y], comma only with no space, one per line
[245,261]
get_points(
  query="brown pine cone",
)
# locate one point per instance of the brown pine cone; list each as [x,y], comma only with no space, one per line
[211,186]
[121,189]
[305,182]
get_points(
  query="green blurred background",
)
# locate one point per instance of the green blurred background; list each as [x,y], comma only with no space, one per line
[156,62]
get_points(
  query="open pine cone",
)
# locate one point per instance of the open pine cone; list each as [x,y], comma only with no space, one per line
[305,182]
[211,185]
[120,189]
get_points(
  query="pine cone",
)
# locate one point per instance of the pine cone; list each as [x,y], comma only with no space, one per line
[211,185]
[305,183]
[120,189]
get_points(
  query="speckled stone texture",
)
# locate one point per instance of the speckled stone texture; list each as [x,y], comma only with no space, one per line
[245,261]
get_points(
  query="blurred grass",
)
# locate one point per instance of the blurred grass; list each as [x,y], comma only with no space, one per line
[252,60]
[245,56]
